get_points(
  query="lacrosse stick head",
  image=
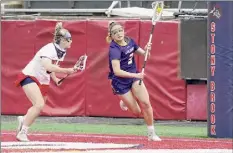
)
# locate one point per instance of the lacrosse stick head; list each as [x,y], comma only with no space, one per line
[81,63]
[157,7]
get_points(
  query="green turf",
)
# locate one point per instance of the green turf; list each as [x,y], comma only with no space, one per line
[162,130]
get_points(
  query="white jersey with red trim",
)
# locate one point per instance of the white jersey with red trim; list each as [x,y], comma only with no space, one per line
[35,68]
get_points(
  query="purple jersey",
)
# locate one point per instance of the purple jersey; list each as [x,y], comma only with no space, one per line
[126,56]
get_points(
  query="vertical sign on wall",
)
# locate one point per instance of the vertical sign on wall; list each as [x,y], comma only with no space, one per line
[220,69]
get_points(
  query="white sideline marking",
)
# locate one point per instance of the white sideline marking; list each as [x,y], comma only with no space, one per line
[118,137]
[153,151]
[63,145]
[164,151]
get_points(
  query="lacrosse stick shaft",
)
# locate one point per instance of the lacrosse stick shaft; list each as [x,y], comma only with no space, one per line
[63,79]
[146,55]
[154,21]
[57,62]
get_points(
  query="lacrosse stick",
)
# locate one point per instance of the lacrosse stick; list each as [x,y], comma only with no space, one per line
[79,65]
[157,13]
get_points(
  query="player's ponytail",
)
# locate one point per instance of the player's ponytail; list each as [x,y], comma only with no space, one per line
[59,32]
[58,28]
[108,38]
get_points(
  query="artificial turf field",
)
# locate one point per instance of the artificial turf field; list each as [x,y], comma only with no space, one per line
[90,135]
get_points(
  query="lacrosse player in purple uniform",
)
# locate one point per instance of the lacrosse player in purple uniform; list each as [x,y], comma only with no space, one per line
[125,77]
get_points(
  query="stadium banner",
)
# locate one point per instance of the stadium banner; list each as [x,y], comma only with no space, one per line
[220,71]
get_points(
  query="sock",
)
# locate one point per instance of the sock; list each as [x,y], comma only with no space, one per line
[150,128]
[25,128]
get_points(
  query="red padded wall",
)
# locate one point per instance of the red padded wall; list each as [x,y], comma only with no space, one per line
[197,102]
[167,91]
[89,93]
[18,39]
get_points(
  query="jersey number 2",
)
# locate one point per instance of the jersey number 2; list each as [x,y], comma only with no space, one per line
[130,59]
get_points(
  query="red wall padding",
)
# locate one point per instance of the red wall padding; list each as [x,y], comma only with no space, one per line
[17,50]
[89,93]
[167,91]
[197,102]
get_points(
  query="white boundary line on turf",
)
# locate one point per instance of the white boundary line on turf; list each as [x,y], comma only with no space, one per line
[117,137]
[151,151]
[64,145]
[164,151]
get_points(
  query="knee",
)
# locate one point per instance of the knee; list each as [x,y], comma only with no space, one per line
[40,104]
[146,105]
[136,111]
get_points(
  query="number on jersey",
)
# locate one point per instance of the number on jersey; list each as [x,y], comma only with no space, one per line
[130,59]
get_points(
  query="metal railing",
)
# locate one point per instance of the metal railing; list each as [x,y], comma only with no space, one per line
[177,11]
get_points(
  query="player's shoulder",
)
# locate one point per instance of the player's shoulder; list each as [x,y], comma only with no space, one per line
[48,46]
[129,40]
[47,49]
[113,45]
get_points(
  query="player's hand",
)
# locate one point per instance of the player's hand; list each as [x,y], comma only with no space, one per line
[76,68]
[148,46]
[139,75]
[148,55]
[70,70]
[57,82]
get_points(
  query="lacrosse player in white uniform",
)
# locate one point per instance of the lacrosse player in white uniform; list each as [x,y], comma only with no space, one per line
[35,77]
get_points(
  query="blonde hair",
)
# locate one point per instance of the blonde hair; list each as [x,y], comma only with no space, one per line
[111,24]
[59,32]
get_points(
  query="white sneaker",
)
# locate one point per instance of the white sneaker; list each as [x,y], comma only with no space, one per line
[123,106]
[152,136]
[22,136]
[20,124]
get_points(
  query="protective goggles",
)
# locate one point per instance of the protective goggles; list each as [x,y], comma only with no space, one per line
[68,37]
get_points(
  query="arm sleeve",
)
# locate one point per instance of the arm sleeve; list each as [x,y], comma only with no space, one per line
[114,53]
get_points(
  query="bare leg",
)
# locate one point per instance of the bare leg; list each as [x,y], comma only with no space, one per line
[33,93]
[142,95]
[131,103]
